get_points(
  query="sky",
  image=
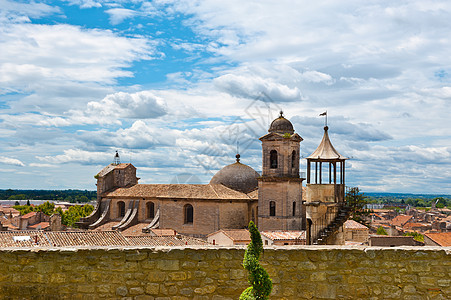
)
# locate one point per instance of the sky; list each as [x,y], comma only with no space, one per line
[179,87]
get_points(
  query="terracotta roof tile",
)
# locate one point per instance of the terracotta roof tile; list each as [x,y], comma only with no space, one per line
[235,234]
[179,240]
[107,226]
[418,225]
[23,239]
[164,232]
[442,238]
[401,220]
[351,224]
[135,230]
[41,225]
[86,238]
[29,215]
[179,191]
[122,166]
[285,235]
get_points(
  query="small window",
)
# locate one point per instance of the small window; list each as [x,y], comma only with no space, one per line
[266,242]
[253,216]
[273,159]
[294,209]
[293,159]
[188,210]
[121,209]
[150,210]
[272,208]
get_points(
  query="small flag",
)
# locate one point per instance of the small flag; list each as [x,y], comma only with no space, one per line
[323,114]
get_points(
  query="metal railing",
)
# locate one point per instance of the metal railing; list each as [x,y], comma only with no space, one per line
[325,227]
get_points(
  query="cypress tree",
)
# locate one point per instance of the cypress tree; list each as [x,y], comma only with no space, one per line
[258,278]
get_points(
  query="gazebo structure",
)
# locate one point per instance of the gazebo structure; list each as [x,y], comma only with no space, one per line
[325,200]
[326,154]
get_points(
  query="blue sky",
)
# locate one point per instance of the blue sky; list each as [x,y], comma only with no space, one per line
[176,85]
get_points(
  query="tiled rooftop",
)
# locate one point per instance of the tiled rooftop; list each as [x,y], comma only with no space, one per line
[23,239]
[442,239]
[164,232]
[107,226]
[41,225]
[86,238]
[285,235]
[351,224]
[29,215]
[135,230]
[235,234]
[179,191]
[165,241]
[89,238]
[61,238]
[400,220]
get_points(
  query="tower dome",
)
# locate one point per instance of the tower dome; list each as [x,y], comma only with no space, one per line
[237,176]
[281,125]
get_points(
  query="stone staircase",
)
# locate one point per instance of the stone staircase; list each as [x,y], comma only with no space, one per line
[343,214]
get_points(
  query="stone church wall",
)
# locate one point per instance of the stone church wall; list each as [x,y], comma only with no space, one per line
[209,216]
[298,272]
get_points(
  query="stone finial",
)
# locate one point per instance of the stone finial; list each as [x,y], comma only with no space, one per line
[237,158]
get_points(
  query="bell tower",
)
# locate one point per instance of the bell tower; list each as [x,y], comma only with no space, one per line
[280,186]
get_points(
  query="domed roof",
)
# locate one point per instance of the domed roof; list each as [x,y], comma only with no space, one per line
[237,176]
[281,125]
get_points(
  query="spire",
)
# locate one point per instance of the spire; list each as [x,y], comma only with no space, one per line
[116,160]
[326,150]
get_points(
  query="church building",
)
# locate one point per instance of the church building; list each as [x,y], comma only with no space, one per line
[234,196]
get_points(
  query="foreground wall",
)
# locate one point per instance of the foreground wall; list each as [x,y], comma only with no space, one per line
[298,272]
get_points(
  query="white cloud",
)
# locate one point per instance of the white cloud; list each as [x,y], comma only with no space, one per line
[38,165]
[253,87]
[87,3]
[12,10]
[77,156]
[141,105]
[11,161]
[118,15]
[138,136]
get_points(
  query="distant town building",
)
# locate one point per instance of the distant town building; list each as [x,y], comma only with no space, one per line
[438,239]
[356,232]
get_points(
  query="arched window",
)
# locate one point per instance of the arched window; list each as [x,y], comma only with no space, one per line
[293,159]
[294,209]
[273,159]
[121,209]
[150,210]
[272,208]
[188,211]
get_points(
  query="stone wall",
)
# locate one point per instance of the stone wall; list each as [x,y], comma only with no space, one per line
[298,272]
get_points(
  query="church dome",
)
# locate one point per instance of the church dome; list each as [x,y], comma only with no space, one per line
[281,125]
[237,176]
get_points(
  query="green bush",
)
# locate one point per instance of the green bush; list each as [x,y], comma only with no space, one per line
[258,278]
[381,231]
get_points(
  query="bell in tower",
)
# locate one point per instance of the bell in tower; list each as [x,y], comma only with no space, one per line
[280,186]
[117,160]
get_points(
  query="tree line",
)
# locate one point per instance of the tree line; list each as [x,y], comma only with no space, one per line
[68,217]
[72,196]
